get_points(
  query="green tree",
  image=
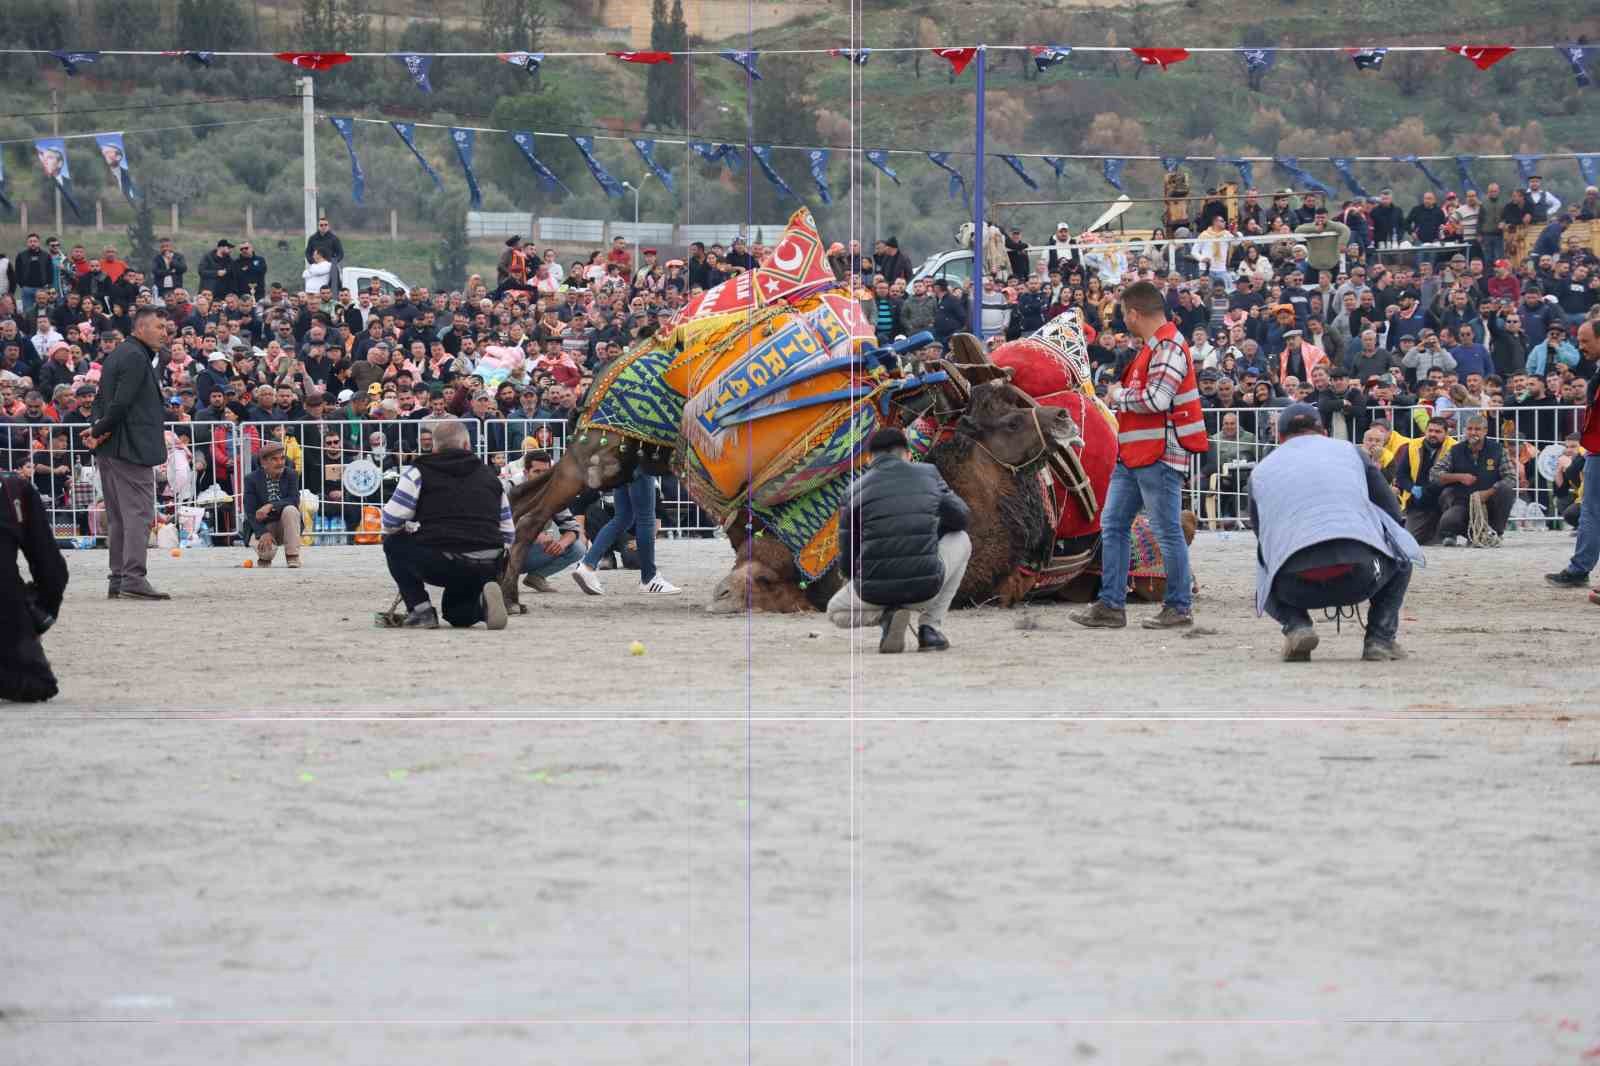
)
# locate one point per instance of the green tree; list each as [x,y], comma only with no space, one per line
[664,85]
[556,108]
[449,263]
[142,235]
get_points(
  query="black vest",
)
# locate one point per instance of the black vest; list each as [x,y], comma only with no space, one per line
[459,507]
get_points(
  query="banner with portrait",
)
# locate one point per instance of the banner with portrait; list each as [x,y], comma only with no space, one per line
[115,155]
[52,155]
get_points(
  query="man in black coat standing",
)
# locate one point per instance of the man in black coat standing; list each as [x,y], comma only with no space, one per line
[327,242]
[126,435]
[903,547]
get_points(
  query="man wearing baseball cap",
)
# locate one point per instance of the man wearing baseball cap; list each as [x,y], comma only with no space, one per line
[272,506]
[1329,534]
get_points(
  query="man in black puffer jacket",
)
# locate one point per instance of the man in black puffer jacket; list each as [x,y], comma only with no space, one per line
[903,547]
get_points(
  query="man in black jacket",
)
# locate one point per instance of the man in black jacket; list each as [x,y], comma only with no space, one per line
[168,268]
[249,274]
[272,506]
[216,269]
[26,611]
[903,547]
[33,271]
[126,437]
[449,524]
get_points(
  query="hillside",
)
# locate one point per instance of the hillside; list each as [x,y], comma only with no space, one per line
[1309,105]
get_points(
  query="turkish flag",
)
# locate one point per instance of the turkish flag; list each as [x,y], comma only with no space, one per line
[797,266]
[1483,56]
[1161,57]
[642,57]
[958,57]
[314,60]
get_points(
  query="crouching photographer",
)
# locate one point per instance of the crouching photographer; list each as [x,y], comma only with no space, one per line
[27,609]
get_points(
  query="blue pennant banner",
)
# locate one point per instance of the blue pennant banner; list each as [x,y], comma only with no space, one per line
[1589,167]
[746,60]
[1111,170]
[1527,165]
[465,141]
[1170,163]
[611,185]
[1057,164]
[1259,59]
[647,152]
[1346,168]
[1464,172]
[733,156]
[408,133]
[524,142]
[1577,57]
[819,173]
[958,184]
[4,201]
[880,159]
[1422,166]
[763,154]
[1016,164]
[71,61]
[358,177]
[1291,166]
[1247,169]
[1368,58]
[1046,56]
[417,66]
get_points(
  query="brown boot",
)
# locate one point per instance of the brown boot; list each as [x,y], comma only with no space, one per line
[1098,616]
[1169,618]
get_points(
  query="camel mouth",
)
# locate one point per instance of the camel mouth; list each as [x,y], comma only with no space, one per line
[1063,429]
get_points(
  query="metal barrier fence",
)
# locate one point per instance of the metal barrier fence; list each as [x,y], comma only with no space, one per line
[1532,438]
[347,468]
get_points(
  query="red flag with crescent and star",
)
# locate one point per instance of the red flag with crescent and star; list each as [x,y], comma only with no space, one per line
[796,266]
[958,57]
[642,57]
[1483,56]
[1161,57]
[315,60]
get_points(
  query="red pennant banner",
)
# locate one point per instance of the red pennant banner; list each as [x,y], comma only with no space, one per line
[1483,56]
[958,57]
[314,60]
[642,57]
[1161,57]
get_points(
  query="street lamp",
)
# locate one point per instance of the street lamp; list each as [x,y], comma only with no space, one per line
[635,189]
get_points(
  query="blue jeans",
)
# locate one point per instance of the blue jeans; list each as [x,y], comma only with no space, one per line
[1160,489]
[537,564]
[636,499]
[28,299]
[1587,553]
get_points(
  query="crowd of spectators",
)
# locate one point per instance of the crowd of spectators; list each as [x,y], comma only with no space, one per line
[1331,316]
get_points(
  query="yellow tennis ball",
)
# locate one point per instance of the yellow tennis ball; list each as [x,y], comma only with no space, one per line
[636,648]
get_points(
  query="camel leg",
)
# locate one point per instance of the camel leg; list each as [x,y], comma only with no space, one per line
[532,511]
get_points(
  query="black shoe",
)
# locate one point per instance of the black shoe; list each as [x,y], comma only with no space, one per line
[930,639]
[113,589]
[141,592]
[893,625]
[1567,579]
[422,616]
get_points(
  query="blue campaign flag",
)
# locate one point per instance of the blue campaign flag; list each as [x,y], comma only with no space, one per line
[408,133]
[528,61]
[70,61]
[1016,164]
[858,56]
[647,151]
[1368,58]
[1247,169]
[1111,170]
[1046,56]
[1259,60]
[417,66]
[958,184]
[1464,172]
[199,59]
[1057,164]
[746,60]
[732,155]
[1527,165]
[706,150]
[524,142]
[1291,166]
[1577,57]
[4,201]
[1170,163]
[465,140]
[115,154]
[1589,167]
[819,173]
[358,177]
[611,185]
[880,159]
[763,154]
[1422,166]
[1346,168]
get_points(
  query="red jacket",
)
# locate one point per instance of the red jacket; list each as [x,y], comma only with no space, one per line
[1141,436]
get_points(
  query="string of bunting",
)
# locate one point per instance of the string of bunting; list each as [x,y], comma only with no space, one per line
[1112,167]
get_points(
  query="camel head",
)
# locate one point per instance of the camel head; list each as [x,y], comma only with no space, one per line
[763,578]
[1014,429]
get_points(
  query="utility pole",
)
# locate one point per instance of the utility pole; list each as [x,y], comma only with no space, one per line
[55,130]
[635,188]
[977,201]
[308,136]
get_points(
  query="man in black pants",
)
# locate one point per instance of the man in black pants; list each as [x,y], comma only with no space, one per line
[25,613]
[1475,467]
[449,524]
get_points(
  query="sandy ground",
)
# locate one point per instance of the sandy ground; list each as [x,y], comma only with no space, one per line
[225,843]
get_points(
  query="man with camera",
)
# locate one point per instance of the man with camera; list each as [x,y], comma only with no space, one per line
[271,506]
[27,610]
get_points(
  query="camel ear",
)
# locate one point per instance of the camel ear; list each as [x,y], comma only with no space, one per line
[967,350]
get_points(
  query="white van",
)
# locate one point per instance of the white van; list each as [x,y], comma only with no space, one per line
[357,280]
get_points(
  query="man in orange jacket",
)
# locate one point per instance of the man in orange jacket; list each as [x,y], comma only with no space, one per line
[1159,425]
[1576,573]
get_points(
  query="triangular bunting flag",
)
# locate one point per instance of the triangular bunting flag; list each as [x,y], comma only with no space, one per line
[880,159]
[408,133]
[70,60]
[819,173]
[528,61]
[1464,172]
[957,57]
[417,66]
[642,57]
[1046,56]
[858,56]
[745,60]
[1368,58]
[647,152]
[1483,56]
[1577,57]
[1160,57]
[1016,164]
[611,185]
[763,154]
[1345,165]
[1057,164]
[1170,163]
[1259,59]
[1111,169]
[523,139]
[1527,165]
[314,60]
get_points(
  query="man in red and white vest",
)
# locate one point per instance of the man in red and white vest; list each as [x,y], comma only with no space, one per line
[1587,553]
[1159,425]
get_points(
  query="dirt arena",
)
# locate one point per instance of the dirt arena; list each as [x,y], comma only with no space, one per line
[256,829]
